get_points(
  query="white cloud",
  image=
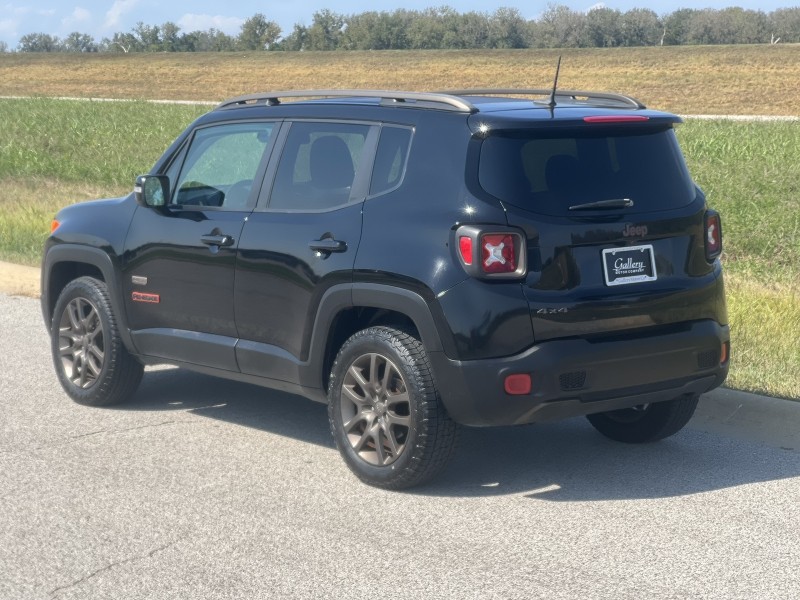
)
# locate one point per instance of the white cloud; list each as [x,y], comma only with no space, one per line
[9,27]
[15,10]
[192,22]
[79,15]
[49,12]
[597,6]
[119,8]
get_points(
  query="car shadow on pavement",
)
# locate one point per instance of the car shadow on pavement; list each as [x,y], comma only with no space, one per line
[562,461]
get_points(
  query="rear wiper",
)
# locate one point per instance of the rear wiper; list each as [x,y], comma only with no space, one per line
[615,203]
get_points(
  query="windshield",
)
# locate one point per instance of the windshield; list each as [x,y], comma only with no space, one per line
[549,172]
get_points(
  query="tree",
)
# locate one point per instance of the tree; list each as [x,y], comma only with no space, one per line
[326,31]
[3,47]
[258,34]
[169,40]
[507,29]
[784,23]
[676,27]
[559,27]
[79,42]
[121,42]
[39,42]
[297,40]
[148,37]
[603,27]
[211,40]
[641,27]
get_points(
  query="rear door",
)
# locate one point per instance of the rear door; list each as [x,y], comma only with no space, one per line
[614,226]
[178,273]
[301,240]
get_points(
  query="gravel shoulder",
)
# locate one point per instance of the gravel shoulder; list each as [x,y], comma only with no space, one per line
[19,280]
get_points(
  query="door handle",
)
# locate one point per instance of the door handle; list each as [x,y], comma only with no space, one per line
[328,245]
[217,240]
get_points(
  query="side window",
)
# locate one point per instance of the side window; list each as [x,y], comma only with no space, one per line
[220,165]
[318,165]
[390,159]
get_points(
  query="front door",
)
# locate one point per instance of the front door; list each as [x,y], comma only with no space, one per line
[179,260]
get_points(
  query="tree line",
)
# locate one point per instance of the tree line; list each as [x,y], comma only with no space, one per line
[446,28]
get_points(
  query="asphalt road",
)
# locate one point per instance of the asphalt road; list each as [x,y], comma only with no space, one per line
[202,488]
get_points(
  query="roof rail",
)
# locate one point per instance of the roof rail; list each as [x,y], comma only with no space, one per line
[440,101]
[611,99]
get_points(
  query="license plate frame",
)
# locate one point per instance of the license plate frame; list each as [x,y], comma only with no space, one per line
[632,264]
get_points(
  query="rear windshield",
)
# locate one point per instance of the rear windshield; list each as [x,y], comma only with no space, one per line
[548,172]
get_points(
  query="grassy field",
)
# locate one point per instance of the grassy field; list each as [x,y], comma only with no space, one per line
[690,80]
[54,153]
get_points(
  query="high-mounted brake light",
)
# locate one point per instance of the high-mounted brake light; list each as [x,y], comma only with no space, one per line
[615,118]
[713,235]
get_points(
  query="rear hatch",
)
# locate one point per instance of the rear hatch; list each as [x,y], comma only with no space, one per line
[613,222]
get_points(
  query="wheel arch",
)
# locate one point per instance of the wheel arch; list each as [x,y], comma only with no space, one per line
[66,262]
[349,309]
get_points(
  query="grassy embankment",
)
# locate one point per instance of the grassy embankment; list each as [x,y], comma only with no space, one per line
[53,153]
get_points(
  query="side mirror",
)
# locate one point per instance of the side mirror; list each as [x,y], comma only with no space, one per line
[151,190]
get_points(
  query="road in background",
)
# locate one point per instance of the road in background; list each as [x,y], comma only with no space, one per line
[203,488]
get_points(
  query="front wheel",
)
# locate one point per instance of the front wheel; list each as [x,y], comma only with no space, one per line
[385,413]
[645,423]
[92,364]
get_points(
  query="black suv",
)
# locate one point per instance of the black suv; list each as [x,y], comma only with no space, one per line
[415,260]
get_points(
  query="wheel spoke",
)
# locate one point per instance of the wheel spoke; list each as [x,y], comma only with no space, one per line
[365,437]
[399,420]
[358,376]
[359,401]
[358,418]
[379,449]
[373,372]
[390,438]
[73,312]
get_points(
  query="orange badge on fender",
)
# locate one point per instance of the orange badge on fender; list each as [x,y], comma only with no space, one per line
[149,298]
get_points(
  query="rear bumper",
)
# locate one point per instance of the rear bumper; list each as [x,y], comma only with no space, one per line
[577,377]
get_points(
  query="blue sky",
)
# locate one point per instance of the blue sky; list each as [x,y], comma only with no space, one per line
[101,18]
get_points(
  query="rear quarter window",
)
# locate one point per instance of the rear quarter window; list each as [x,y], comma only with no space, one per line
[549,172]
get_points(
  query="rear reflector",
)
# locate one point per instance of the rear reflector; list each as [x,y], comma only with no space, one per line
[465,248]
[615,119]
[518,384]
[725,354]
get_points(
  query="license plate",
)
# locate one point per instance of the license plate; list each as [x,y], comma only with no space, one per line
[629,265]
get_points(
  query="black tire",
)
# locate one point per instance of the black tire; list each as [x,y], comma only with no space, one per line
[92,363]
[648,423]
[385,413]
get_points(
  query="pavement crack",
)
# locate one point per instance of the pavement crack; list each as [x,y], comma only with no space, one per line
[110,566]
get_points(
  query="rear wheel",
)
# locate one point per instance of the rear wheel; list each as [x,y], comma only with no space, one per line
[92,364]
[645,423]
[385,414]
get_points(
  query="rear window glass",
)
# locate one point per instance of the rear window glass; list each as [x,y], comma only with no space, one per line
[549,172]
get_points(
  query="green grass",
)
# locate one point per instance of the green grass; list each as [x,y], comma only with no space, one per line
[90,142]
[54,153]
